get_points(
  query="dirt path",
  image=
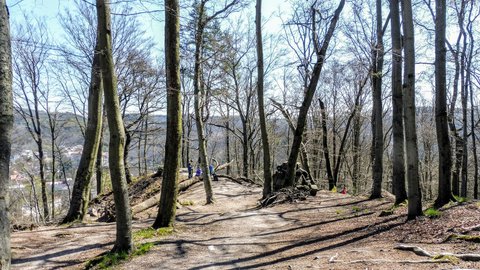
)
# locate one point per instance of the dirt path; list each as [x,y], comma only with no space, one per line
[233,234]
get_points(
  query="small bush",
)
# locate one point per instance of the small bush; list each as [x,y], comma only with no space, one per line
[460,199]
[432,213]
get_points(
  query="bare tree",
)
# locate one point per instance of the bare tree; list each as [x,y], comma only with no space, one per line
[441,119]
[202,21]
[310,91]
[414,192]
[398,151]
[168,198]
[81,187]
[123,242]
[31,53]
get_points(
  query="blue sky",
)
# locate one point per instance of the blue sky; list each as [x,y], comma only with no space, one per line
[50,9]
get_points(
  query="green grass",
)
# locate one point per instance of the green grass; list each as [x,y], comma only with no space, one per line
[460,199]
[149,233]
[356,209]
[187,203]
[111,259]
[432,213]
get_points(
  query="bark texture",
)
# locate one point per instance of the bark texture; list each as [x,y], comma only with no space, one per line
[86,168]
[267,174]
[377,57]
[168,197]
[398,152]
[6,126]
[123,241]
[414,192]
[441,117]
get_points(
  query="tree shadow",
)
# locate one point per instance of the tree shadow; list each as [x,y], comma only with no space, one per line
[48,257]
[306,243]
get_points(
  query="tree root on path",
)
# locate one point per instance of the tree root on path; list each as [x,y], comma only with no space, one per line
[392,261]
[464,237]
[437,256]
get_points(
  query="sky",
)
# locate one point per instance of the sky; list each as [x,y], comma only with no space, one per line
[49,10]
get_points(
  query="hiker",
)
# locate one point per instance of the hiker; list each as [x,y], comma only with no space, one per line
[190,169]
[344,190]
[198,173]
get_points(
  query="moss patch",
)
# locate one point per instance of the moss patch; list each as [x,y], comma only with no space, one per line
[432,213]
[149,233]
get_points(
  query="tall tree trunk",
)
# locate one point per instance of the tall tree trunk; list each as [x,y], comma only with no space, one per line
[53,168]
[464,97]
[441,117]
[81,187]
[227,142]
[267,174]
[6,127]
[356,150]
[414,192]
[123,241]
[312,86]
[168,197]
[99,161]
[41,160]
[472,125]
[326,152]
[199,100]
[377,57]
[126,152]
[398,151]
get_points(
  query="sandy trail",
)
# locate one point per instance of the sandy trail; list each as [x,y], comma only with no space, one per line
[234,234]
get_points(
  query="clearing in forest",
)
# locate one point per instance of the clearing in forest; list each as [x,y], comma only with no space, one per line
[328,231]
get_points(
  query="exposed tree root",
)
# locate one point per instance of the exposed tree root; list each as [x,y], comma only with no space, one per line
[392,261]
[468,238]
[421,252]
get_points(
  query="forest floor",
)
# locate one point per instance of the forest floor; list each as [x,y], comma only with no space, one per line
[328,231]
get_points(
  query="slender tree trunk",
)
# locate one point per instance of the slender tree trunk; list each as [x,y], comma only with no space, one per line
[168,198]
[312,86]
[227,142]
[441,117]
[414,192]
[53,164]
[6,127]
[128,141]
[377,56]
[267,174]
[356,151]
[85,171]
[398,151]
[199,103]
[472,111]
[43,181]
[123,241]
[326,152]
[99,162]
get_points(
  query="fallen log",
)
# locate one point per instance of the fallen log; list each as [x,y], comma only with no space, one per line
[152,201]
[224,165]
